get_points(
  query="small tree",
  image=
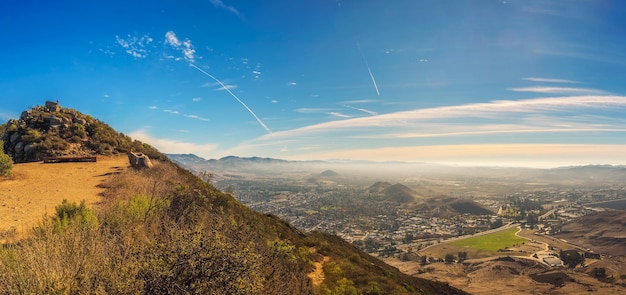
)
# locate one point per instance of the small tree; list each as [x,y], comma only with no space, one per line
[462,256]
[6,163]
[572,258]
[449,258]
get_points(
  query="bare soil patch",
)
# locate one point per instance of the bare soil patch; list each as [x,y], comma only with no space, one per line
[35,189]
[509,276]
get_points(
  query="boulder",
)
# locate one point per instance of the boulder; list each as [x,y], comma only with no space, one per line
[19,147]
[80,121]
[55,121]
[28,148]
[139,160]
[14,137]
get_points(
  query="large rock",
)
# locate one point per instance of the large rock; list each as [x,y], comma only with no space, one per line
[19,147]
[14,137]
[139,160]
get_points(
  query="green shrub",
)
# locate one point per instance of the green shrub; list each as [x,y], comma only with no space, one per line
[6,163]
[71,213]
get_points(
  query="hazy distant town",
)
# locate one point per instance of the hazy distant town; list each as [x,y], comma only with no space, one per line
[391,213]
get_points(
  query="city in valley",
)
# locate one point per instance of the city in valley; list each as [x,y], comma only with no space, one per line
[422,218]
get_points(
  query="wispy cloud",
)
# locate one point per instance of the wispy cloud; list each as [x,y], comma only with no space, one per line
[174,146]
[362,110]
[292,83]
[222,5]
[196,99]
[135,45]
[197,117]
[556,117]
[185,46]
[226,87]
[153,107]
[559,90]
[549,80]
[312,110]
[172,112]
[338,114]
[358,101]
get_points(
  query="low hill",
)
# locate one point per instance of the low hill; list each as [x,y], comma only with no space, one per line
[163,230]
[602,232]
[378,187]
[400,193]
[329,173]
[397,193]
[450,206]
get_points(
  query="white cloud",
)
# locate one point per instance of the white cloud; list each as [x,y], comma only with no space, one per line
[197,117]
[196,99]
[312,110]
[174,146]
[227,87]
[362,110]
[554,117]
[185,47]
[338,114]
[134,45]
[105,95]
[559,90]
[549,80]
[172,112]
[210,84]
[360,101]
[220,4]
[292,83]
[153,107]
[274,101]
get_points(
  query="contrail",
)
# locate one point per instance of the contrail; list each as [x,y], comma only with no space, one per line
[368,68]
[235,96]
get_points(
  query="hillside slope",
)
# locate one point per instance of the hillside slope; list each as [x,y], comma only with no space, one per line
[602,232]
[163,230]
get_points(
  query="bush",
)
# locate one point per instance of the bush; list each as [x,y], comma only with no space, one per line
[6,163]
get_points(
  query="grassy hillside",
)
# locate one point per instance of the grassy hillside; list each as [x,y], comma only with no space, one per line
[163,230]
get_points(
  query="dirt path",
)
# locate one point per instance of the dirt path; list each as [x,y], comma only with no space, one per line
[317,276]
[35,189]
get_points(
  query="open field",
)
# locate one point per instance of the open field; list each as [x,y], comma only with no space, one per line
[35,189]
[492,242]
[482,246]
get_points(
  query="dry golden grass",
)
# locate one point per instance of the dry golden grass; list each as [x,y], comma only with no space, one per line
[35,189]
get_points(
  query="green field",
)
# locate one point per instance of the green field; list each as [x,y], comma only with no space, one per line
[492,242]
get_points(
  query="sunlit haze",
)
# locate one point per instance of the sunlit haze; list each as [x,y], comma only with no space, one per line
[497,83]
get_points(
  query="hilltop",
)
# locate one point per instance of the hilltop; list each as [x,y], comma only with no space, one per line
[164,230]
[55,131]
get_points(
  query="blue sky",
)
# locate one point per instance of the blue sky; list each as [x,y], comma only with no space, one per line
[524,83]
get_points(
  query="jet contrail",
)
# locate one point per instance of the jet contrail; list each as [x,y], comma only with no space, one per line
[235,96]
[368,69]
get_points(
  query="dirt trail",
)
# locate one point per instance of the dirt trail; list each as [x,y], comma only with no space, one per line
[317,276]
[35,189]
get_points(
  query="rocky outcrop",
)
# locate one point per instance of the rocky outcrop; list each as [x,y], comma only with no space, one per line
[139,160]
[46,131]
[52,131]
